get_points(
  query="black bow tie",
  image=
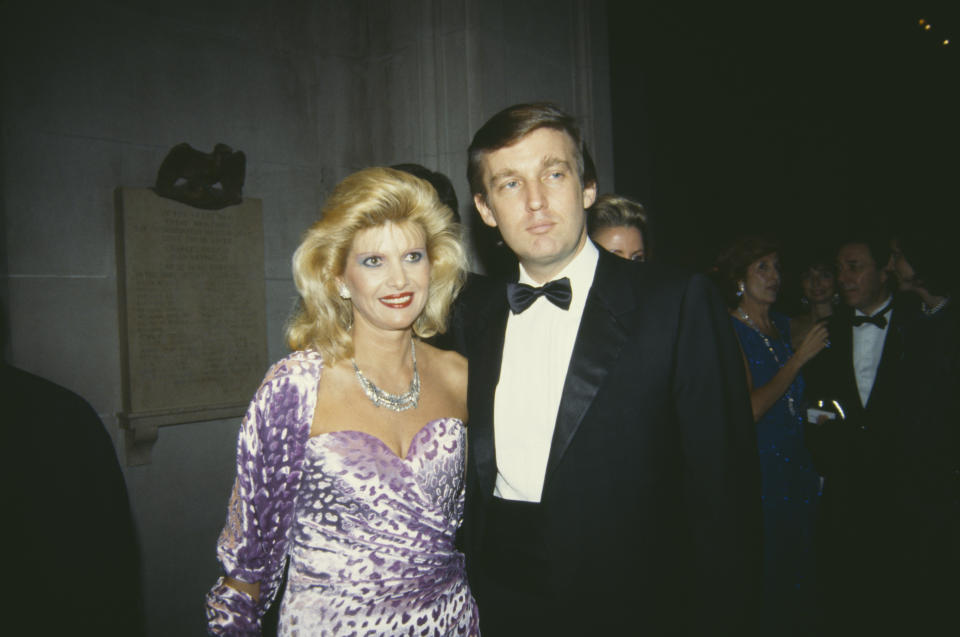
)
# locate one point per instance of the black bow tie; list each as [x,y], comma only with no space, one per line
[521,296]
[877,319]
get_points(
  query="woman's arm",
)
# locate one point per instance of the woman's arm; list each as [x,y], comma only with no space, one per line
[234,604]
[253,545]
[764,397]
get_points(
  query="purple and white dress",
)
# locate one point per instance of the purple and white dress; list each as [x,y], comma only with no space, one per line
[369,535]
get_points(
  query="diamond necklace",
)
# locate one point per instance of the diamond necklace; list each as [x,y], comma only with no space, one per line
[791,401]
[394,402]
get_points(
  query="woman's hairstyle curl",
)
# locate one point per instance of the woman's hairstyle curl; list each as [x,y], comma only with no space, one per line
[369,199]
[733,262]
[614,211]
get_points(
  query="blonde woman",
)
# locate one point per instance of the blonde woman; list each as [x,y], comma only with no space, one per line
[351,455]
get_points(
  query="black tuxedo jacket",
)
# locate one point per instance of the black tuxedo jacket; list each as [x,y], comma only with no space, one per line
[860,528]
[651,499]
[857,455]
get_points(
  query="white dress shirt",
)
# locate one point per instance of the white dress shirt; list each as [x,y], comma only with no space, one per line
[868,340]
[536,354]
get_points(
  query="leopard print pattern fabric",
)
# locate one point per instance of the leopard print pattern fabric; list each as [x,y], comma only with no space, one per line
[427,595]
[372,543]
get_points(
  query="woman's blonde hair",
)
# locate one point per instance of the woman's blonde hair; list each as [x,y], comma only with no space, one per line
[369,199]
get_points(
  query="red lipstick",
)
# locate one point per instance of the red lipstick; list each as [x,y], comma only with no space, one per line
[397,301]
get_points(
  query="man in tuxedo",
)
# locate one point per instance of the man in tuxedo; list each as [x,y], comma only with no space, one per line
[858,454]
[612,478]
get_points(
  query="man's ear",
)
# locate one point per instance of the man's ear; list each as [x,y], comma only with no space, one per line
[589,194]
[485,212]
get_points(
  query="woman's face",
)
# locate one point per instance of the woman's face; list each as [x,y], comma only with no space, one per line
[388,276]
[762,283]
[624,241]
[819,284]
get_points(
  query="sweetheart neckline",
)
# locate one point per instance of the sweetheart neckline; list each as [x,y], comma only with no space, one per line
[405,458]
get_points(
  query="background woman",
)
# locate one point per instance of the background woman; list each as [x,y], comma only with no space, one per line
[750,271]
[819,285]
[351,456]
[619,225]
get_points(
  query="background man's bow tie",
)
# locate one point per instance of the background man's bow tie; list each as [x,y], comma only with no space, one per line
[877,319]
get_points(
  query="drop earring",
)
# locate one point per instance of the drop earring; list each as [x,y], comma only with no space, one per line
[344,292]
[741,288]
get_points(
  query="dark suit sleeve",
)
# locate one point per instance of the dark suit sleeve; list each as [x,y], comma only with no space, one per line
[721,469]
[70,514]
[455,337]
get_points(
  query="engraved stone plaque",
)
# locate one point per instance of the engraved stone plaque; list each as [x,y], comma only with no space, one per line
[192,312]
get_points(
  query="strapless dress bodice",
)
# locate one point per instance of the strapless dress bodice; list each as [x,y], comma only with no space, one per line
[372,540]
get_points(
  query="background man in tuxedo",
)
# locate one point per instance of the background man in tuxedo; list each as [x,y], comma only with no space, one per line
[612,481]
[859,455]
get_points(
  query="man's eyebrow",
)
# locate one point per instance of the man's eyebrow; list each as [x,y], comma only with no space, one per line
[506,172]
[551,162]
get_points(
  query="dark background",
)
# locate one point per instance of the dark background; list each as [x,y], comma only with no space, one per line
[804,120]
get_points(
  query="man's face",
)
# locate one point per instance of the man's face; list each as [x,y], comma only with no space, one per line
[862,283]
[533,194]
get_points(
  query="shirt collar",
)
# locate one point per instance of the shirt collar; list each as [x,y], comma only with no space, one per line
[883,306]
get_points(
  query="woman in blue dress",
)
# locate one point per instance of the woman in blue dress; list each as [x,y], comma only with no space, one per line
[750,269]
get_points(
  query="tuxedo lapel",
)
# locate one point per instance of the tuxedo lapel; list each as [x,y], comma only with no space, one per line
[486,355]
[844,385]
[886,371]
[600,339]
[885,381]
[848,378]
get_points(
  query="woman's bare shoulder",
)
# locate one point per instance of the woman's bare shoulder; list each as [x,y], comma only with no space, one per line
[445,361]
[447,367]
